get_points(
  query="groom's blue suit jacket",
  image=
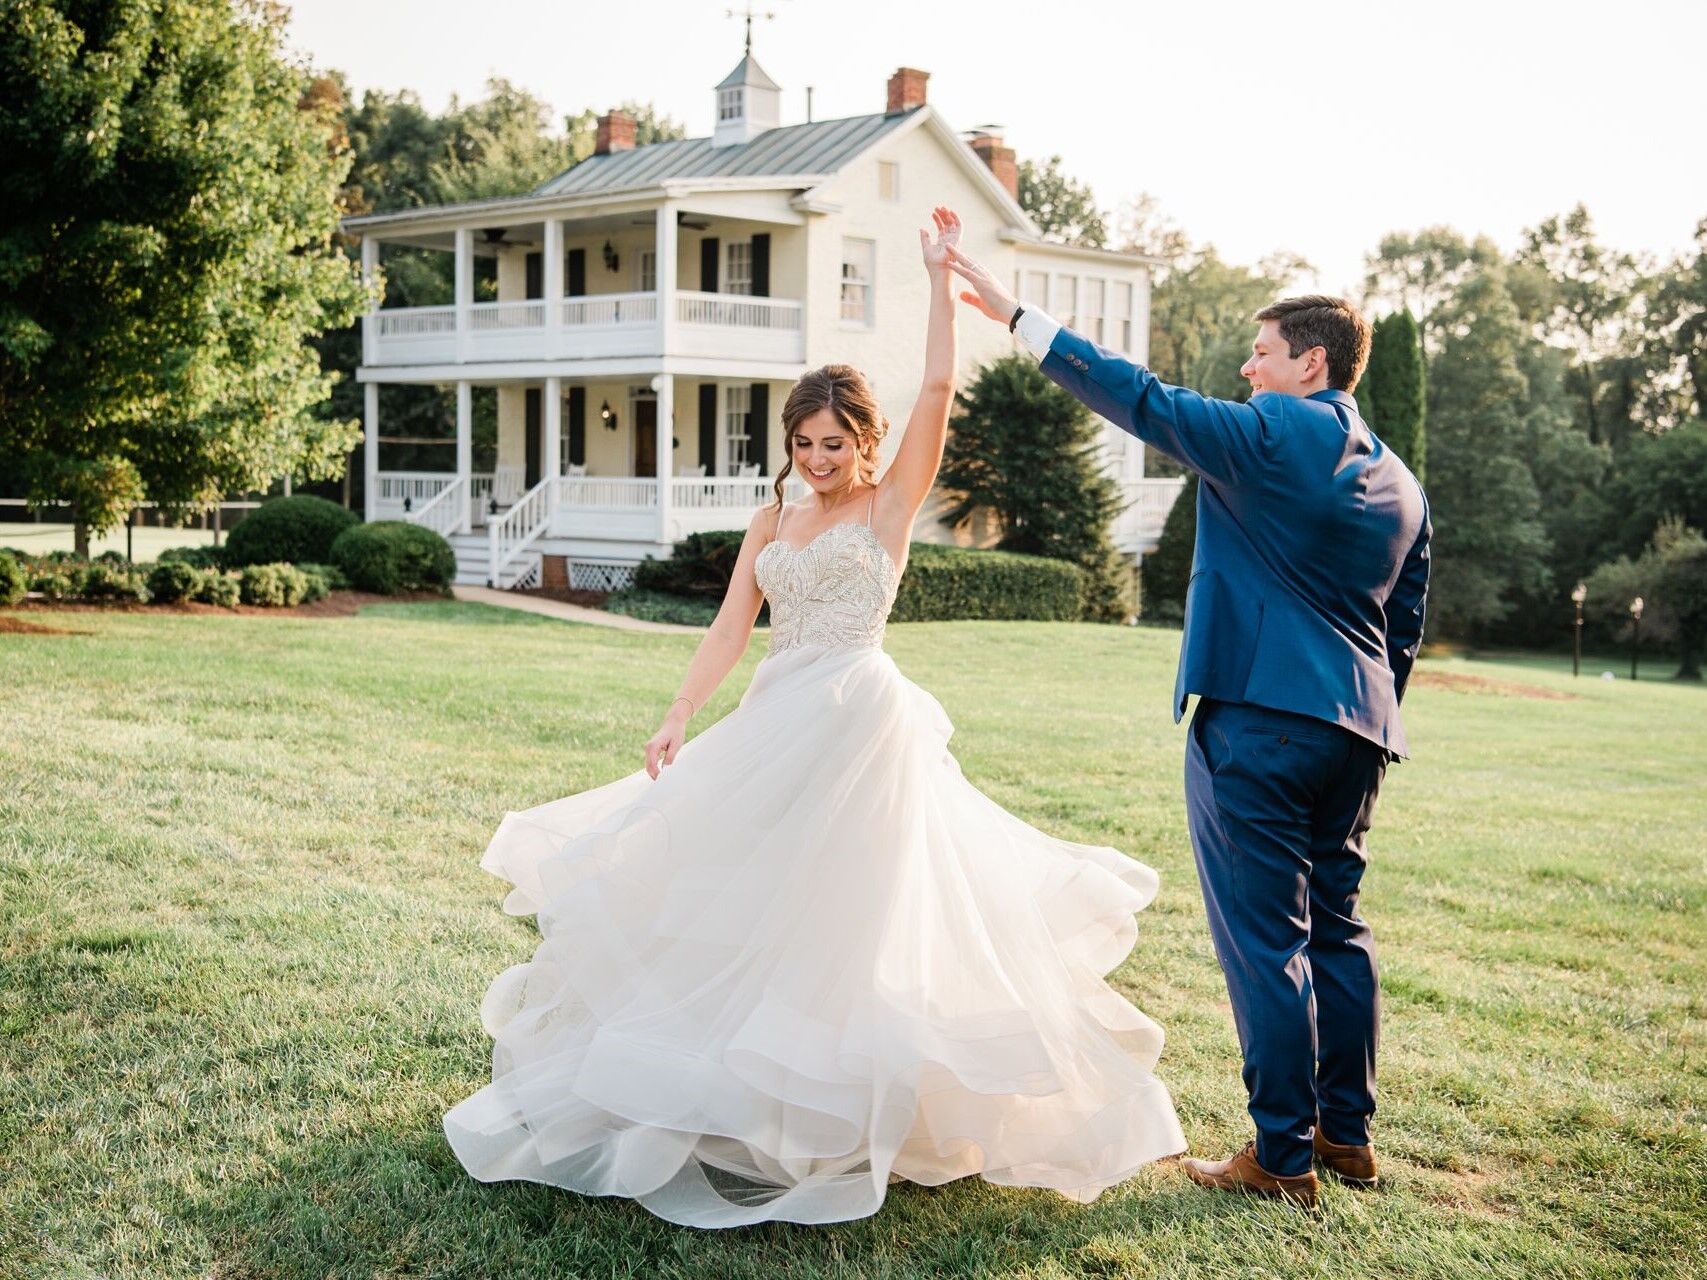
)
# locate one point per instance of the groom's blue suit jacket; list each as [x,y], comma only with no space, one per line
[1312,558]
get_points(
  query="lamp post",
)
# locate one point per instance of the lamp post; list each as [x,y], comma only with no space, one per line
[1635,633]
[1578,595]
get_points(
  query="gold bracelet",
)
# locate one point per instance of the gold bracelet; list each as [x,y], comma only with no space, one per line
[689,701]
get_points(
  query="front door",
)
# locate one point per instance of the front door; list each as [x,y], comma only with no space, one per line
[646,437]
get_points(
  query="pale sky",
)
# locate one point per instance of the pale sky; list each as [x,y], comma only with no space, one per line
[1263,126]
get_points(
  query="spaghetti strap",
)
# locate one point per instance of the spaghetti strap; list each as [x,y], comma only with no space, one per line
[870,503]
[781,510]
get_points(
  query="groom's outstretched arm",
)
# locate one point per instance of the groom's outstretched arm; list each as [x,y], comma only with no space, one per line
[1222,440]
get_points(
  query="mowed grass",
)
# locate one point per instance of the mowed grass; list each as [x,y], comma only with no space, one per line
[244,936]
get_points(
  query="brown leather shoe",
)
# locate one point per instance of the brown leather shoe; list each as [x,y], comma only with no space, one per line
[1352,1165]
[1243,1173]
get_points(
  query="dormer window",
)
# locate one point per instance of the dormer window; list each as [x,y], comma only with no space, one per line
[729,104]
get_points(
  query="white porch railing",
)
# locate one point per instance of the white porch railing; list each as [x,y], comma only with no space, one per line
[513,532]
[1149,501]
[415,322]
[446,512]
[625,493]
[486,317]
[413,487]
[611,309]
[709,493]
[734,310]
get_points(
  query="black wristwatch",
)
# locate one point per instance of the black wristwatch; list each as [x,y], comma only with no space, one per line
[1018,312]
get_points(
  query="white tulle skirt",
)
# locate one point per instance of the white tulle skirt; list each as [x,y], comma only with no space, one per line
[808,961]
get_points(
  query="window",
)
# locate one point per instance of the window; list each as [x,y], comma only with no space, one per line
[648,273]
[888,180]
[1066,306]
[738,267]
[737,404]
[1036,289]
[1120,317]
[728,104]
[1091,325]
[858,267]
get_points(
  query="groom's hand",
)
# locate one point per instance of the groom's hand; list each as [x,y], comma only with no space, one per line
[986,294]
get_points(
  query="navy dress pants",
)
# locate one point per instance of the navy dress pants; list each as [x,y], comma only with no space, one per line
[1279,805]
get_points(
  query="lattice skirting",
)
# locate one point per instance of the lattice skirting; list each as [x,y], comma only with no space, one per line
[600,575]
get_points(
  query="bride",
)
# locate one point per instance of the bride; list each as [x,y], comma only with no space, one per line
[801,958]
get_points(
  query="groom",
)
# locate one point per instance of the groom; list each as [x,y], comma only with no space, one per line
[1303,616]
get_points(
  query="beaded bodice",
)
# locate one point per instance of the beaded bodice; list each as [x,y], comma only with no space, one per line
[837,590]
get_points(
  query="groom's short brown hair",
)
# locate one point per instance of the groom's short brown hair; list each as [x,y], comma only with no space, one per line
[1317,320]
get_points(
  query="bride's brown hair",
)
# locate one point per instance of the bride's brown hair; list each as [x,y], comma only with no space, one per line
[843,390]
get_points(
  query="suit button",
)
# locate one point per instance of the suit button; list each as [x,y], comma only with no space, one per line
[1283,739]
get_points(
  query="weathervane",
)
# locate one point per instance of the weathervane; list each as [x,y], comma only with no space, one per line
[749,15]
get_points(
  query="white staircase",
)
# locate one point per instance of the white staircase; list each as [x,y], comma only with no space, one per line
[474,559]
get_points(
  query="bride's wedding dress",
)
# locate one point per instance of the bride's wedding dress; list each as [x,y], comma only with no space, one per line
[811,959]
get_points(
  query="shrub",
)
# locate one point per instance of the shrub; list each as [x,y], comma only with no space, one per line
[104,582]
[945,583]
[390,556]
[288,529]
[659,606]
[1166,571]
[197,557]
[53,584]
[273,586]
[13,584]
[172,580]
[329,577]
[218,587]
[699,566]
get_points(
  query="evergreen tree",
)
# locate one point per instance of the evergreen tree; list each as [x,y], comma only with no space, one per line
[1395,378]
[172,194]
[1167,569]
[1030,453]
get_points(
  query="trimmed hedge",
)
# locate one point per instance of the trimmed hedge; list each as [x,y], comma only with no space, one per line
[105,582]
[196,557]
[273,586]
[290,530]
[659,606]
[390,556]
[218,587]
[172,580]
[943,584]
[13,584]
[699,566]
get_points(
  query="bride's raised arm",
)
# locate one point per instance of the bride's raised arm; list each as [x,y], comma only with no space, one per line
[910,476]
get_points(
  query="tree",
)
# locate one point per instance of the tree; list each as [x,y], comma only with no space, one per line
[1395,382]
[1027,451]
[1490,546]
[1419,272]
[1063,209]
[1677,333]
[1167,569]
[173,195]
[1658,476]
[1671,578]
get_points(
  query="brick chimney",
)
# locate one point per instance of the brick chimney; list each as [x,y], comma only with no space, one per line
[1000,159]
[906,89]
[616,133]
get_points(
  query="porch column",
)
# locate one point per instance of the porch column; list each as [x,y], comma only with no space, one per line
[665,385]
[553,289]
[465,452]
[664,243]
[370,282]
[464,288]
[552,446]
[370,451]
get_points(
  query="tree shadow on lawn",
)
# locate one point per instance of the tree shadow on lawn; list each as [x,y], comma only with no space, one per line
[401,1204]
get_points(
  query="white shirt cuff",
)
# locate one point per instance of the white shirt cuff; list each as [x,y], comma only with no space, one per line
[1037,331]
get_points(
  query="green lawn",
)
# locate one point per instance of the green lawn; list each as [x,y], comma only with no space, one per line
[243,936]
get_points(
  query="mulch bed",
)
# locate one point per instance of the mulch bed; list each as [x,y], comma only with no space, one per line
[340,604]
[10,626]
[1457,683]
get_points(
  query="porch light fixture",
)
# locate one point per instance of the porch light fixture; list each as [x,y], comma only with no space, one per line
[1578,595]
[609,416]
[1635,634]
[611,259]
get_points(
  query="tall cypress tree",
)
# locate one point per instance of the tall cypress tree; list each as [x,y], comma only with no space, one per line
[1395,378]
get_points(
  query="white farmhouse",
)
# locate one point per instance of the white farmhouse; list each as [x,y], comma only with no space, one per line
[655,303]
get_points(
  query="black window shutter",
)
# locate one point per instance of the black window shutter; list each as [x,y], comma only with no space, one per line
[535,287]
[758,426]
[577,273]
[708,427]
[577,426]
[535,417]
[761,265]
[708,265]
